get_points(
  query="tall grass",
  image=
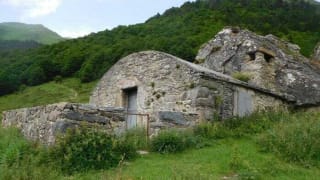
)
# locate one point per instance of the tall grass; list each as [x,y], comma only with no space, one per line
[20,159]
[238,127]
[296,139]
[137,137]
[234,142]
[293,136]
[12,146]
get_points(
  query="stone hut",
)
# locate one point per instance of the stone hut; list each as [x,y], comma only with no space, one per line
[174,92]
[156,90]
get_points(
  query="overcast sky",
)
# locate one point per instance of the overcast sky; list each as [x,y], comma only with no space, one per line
[74,18]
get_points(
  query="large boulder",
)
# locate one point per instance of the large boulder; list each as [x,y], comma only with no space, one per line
[265,61]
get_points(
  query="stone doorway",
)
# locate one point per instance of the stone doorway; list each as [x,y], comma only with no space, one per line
[131,107]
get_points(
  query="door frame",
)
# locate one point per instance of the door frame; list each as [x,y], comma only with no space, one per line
[126,92]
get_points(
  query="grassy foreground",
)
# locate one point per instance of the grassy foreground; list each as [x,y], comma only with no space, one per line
[273,147]
[209,163]
[231,158]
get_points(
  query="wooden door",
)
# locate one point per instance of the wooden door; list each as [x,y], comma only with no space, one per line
[132,108]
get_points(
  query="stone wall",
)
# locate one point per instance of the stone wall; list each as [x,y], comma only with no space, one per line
[43,123]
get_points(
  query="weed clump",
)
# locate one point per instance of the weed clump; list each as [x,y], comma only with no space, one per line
[242,76]
[238,127]
[175,141]
[169,141]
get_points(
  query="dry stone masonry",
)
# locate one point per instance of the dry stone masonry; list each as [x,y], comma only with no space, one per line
[43,123]
[155,90]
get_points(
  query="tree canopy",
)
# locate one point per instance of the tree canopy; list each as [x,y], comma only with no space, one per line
[178,31]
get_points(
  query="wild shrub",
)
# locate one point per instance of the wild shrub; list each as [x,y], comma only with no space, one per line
[214,130]
[168,141]
[12,146]
[22,159]
[83,149]
[253,124]
[240,126]
[125,149]
[137,137]
[296,139]
[205,130]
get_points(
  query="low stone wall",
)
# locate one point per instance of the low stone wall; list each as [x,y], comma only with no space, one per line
[43,123]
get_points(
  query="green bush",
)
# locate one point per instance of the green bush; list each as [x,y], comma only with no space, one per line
[12,146]
[168,141]
[84,149]
[216,130]
[21,159]
[240,126]
[174,141]
[205,130]
[296,139]
[125,149]
[137,137]
[256,123]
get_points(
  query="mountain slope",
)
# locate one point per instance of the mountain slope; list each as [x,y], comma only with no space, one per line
[28,32]
[179,31]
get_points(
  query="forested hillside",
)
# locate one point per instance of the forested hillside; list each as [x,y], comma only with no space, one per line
[179,31]
[17,45]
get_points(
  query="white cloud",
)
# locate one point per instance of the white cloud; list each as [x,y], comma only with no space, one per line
[80,32]
[34,8]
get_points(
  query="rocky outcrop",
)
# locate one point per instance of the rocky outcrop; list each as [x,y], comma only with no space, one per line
[43,123]
[267,61]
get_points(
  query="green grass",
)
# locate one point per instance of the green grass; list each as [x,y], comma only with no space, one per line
[234,150]
[209,163]
[232,156]
[69,90]
[240,158]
